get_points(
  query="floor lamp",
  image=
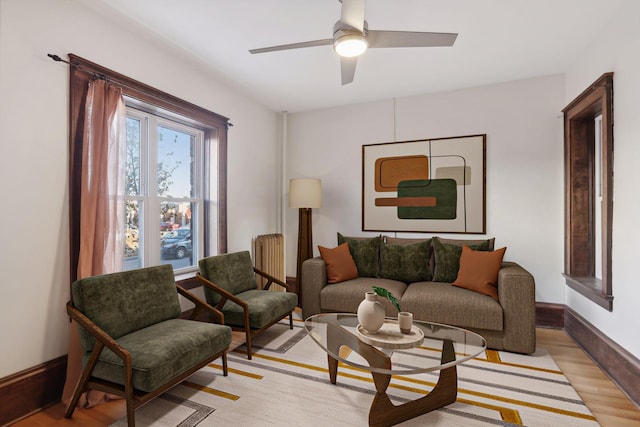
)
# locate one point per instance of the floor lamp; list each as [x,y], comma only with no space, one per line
[304,194]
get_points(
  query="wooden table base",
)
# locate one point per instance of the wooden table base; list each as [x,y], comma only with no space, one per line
[383,412]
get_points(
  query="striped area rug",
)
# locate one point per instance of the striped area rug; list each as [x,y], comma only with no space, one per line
[287,384]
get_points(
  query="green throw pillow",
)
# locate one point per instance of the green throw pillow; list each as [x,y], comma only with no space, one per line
[406,263]
[365,253]
[447,259]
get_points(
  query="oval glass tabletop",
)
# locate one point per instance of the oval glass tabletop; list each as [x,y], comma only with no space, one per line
[335,331]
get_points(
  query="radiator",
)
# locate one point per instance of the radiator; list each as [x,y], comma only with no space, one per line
[268,256]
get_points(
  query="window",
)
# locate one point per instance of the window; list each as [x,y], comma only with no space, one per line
[588,129]
[164,191]
[176,194]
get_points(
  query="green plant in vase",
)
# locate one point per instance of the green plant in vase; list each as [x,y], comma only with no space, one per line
[405,319]
[388,295]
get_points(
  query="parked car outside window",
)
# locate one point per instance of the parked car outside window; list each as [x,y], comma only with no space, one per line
[176,243]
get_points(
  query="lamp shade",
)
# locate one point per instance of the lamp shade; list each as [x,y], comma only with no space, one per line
[305,193]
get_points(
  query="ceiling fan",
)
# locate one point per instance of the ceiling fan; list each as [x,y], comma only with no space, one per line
[351,38]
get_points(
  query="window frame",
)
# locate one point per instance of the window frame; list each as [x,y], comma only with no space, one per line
[581,192]
[150,120]
[214,125]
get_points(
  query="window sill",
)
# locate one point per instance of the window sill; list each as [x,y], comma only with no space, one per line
[187,279]
[591,288]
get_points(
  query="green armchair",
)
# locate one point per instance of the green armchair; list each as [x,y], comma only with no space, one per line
[230,285]
[135,343]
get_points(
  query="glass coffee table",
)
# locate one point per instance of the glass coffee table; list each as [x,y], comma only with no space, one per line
[388,355]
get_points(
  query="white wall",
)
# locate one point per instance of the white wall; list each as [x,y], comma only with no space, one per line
[34,260]
[617,50]
[525,180]
[523,124]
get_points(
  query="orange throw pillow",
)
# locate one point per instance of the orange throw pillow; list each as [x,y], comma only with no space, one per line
[479,271]
[340,263]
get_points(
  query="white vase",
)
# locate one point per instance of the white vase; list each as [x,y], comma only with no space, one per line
[371,313]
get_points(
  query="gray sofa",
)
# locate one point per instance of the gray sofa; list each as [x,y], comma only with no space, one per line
[507,323]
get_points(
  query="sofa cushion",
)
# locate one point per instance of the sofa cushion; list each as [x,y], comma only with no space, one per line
[447,258]
[339,263]
[407,263]
[344,297]
[264,306]
[162,351]
[448,304]
[365,253]
[479,271]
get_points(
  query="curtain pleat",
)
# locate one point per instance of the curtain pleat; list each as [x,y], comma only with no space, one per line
[102,207]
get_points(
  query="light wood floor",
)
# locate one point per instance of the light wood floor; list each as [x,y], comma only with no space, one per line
[605,400]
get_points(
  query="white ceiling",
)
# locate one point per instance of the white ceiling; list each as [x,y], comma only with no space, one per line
[499,40]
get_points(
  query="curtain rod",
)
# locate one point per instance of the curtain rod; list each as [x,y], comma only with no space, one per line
[100,76]
[96,76]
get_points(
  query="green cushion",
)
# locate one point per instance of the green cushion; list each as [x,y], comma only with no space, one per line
[120,303]
[469,242]
[407,263]
[264,307]
[162,351]
[365,252]
[447,258]
[232,272]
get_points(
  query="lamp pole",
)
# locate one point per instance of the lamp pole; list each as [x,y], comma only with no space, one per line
[305,243]
[304,194]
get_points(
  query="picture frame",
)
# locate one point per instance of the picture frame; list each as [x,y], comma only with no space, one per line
[425,186]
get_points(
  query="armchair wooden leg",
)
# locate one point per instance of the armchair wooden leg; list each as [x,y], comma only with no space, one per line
[131,413]
[84,378]
[128,390]
[74,400]
[248,339]
[225,369]
[291,320]
[247,331]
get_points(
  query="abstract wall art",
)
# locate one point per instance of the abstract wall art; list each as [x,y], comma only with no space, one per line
[429,185]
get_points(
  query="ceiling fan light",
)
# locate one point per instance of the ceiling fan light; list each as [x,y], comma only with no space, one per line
[350,45]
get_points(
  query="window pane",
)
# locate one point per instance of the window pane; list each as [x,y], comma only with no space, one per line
[175,163]
[176,243]
[133,157]
[133,249]
[165,174]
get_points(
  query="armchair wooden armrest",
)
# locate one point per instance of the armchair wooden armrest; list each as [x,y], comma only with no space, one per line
[271,280]
[224,294]
[100,335]
[200,305]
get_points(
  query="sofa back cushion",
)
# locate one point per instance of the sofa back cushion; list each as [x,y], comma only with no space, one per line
[407,263]
[447,252]
[365,252]
[488,243]
[124,302]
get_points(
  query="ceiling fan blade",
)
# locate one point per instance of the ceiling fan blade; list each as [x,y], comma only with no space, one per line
[348,69]
[378,39]
[313,43]
[353,13]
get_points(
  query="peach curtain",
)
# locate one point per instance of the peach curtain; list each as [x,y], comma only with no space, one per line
[102,206]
